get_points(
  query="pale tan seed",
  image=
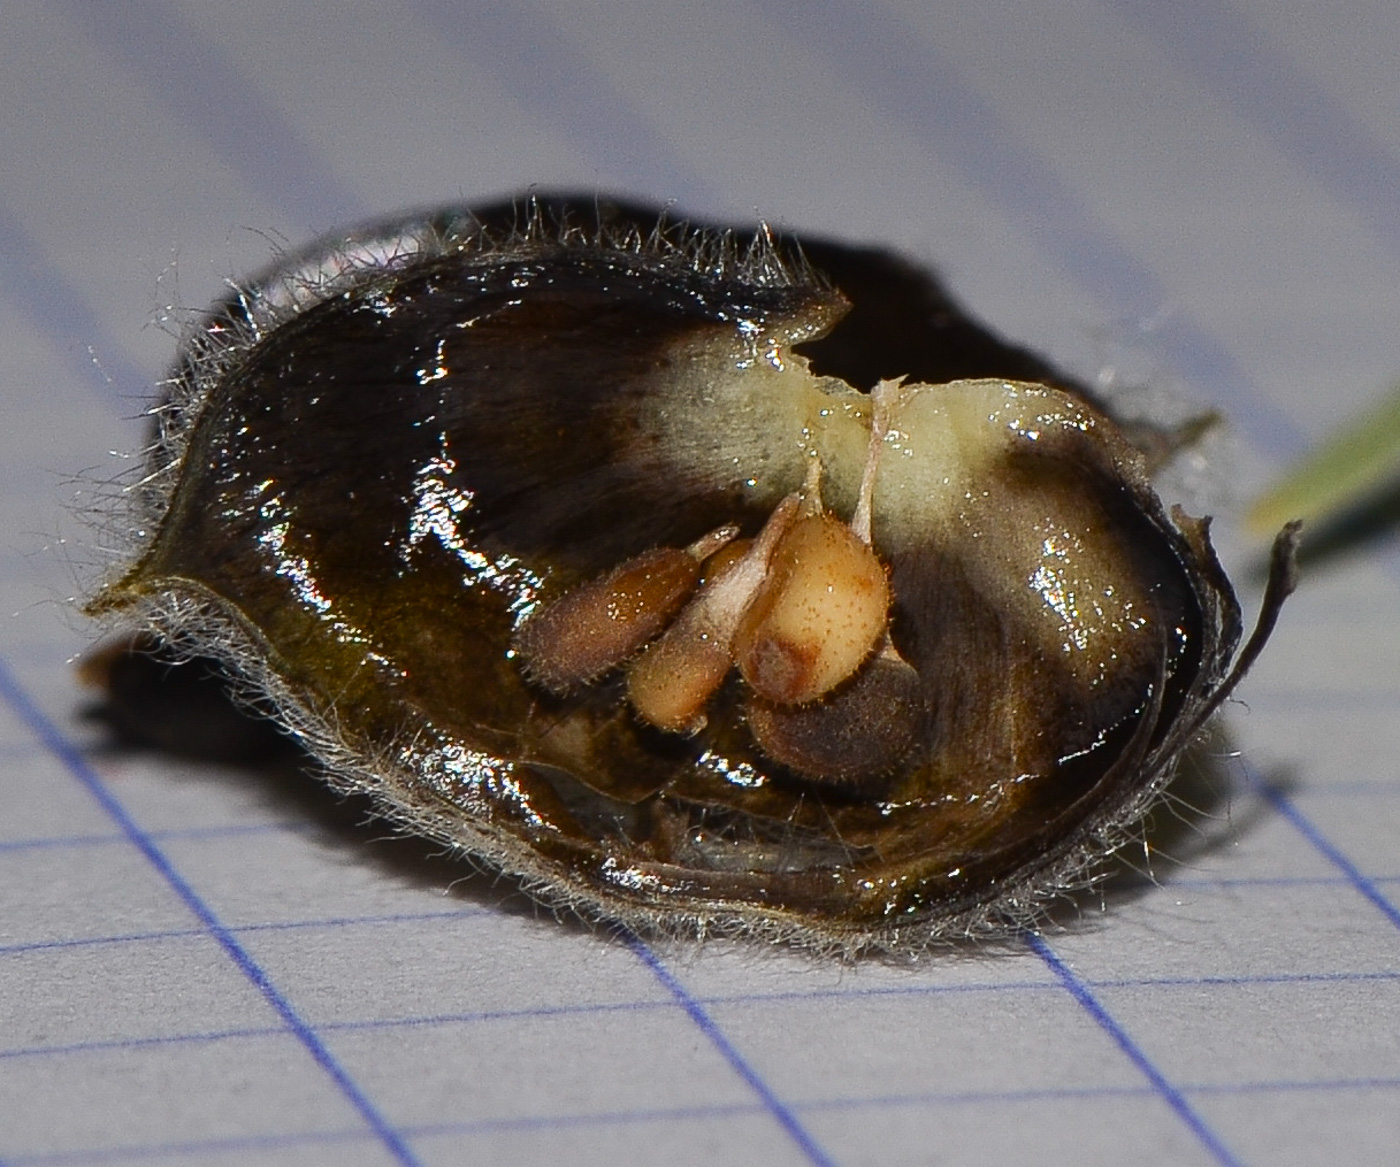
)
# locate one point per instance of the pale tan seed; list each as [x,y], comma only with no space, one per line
[818,616]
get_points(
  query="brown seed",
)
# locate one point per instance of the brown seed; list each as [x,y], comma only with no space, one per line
[857,737]
[671,682]
[725,558]
[818,616]
[600,624]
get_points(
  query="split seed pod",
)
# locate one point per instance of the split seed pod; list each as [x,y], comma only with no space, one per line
[696,588]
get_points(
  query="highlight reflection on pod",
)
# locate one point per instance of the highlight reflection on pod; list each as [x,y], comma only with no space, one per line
[701,586]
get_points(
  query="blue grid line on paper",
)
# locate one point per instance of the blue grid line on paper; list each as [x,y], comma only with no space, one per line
[1251,979]
[615,1117]
[1324,846]
[201,88]
[61,842]
[419,1130]
[553,80]
[63,315]
[545,74]
[1214,883]
[327,922]
[812,1106]
[644,1006]
[243,929]
[39,724]
[709,1001]
[1147,1090]
[149,1151]
[641,1116]
[914,85]
[794,1107]
[706,1024]
[1295,1086]
[624,1117]
[305,826]
[302,826]
[470,911]
[664,1114]
[432,1020]
[416,1131]
[1169,1093]
[421,1022]
[95,941]
[164,835]
[85,1047]
[1224,51]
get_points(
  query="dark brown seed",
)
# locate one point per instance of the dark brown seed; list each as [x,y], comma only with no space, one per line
[857,738]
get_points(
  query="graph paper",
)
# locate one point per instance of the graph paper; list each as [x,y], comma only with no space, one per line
[213,965]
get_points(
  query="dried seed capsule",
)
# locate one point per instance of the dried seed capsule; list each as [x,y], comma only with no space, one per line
[379,460]
[671,682]
[817,618]
[858,737]
[825,603]
[603,622]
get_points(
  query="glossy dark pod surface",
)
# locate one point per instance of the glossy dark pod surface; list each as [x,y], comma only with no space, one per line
[385,460]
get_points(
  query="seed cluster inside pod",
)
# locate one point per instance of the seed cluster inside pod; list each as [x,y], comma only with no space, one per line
[651,567]
[801,610]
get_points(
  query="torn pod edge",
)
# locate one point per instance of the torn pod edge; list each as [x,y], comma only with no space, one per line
[191,623]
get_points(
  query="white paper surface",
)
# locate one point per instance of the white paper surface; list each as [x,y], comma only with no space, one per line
[208,966]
